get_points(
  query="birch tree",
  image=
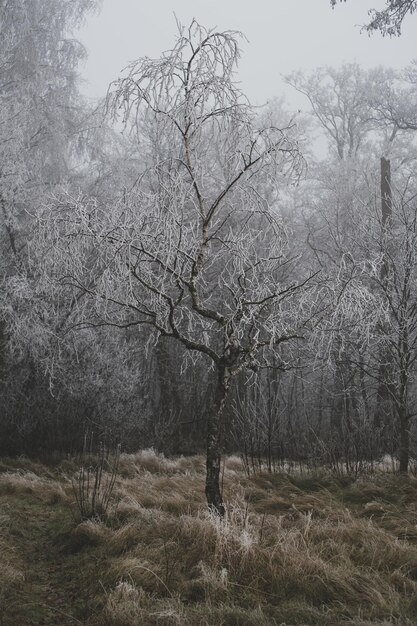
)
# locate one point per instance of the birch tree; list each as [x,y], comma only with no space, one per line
[194,251]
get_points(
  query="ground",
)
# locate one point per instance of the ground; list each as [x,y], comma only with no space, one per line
[295,549]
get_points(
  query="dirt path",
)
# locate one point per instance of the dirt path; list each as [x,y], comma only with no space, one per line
[61,580]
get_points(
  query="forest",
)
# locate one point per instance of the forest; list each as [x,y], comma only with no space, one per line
[198,291]
[183,271]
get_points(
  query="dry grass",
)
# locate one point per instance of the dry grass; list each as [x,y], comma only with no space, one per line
[156,463]
[292,550]
[45,489]
[11,567]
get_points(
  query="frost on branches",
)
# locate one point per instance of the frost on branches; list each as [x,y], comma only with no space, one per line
[194,250]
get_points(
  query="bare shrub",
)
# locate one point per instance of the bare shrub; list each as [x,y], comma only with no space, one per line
[94,484]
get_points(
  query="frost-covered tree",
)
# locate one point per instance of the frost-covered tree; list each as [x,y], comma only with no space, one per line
[40,103]
[356,229]
[40,120]
[390,19]
[394,101]
[194,250]
[344,103]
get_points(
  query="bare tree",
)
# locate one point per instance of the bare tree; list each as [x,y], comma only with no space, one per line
[394,101]
[344,102]
[389,20]
[195,251]
[373,324]
[395,283]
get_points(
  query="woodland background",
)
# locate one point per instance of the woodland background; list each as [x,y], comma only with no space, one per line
[307,290]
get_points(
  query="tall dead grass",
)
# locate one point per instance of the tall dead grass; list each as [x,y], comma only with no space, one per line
[292,549]
[47,490]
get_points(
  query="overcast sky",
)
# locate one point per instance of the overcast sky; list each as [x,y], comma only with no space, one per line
[283,35]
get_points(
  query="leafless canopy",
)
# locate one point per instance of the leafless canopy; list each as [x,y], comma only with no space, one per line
[389,20]
[194,249]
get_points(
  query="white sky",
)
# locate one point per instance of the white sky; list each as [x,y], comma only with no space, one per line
[284,35]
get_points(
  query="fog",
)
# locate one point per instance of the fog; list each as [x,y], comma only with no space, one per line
[281,36]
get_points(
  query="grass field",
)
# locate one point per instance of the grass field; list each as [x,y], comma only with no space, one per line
[293,550]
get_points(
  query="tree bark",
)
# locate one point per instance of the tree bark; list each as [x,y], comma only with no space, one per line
[386,193]
[213,492]
[404,449]
[382,395]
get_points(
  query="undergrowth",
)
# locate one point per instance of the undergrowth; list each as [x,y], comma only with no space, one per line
[293,549]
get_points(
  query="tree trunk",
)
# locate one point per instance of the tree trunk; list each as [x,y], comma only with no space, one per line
[2,352]
[382,395]
[213,491]
[404,450]
[402,406]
